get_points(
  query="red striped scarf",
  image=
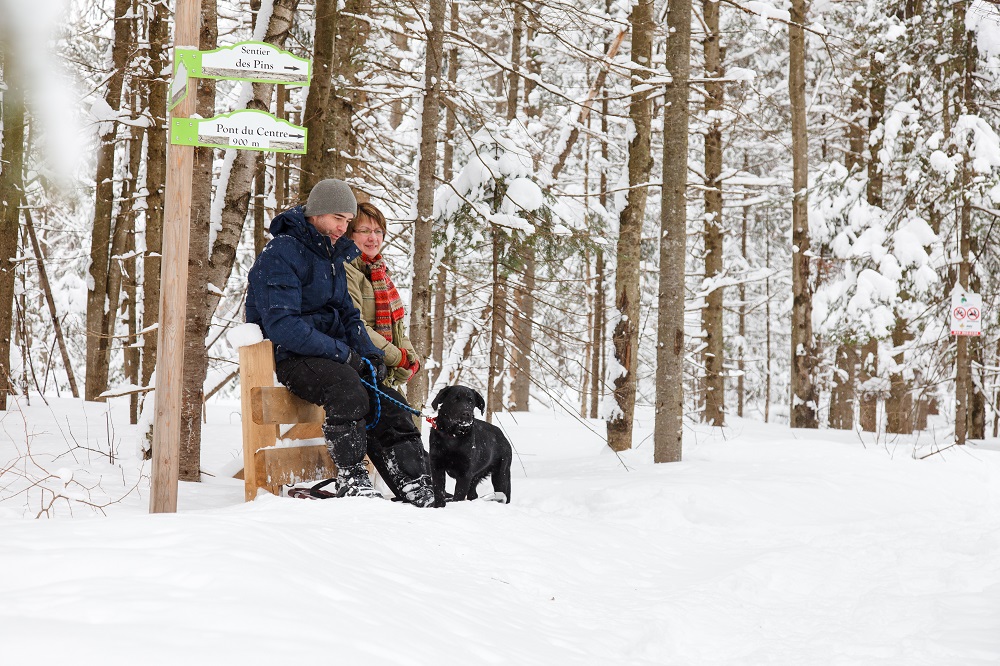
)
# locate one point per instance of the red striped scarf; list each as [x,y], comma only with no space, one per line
[388,305]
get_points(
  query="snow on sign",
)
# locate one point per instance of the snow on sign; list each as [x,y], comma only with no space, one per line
[966,313]
[246,129]
[247,61]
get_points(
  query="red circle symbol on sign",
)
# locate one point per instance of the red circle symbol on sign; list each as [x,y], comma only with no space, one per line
[959,313]
[973,314]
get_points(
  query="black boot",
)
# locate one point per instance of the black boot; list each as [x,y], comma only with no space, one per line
[346,444]
[406,464]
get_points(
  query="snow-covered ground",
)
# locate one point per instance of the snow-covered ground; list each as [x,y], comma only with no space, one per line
[764,546]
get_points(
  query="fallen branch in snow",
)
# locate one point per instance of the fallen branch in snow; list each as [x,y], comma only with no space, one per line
[31,477]
[936,451]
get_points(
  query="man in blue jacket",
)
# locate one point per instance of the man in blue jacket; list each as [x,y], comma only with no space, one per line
[298,296]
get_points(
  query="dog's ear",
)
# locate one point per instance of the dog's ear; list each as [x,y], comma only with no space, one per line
[439,397]
[480,403]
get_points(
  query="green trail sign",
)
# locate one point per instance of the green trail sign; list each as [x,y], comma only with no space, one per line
[245,129]
[247,61]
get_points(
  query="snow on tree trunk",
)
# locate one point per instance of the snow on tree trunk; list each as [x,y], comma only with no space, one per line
[714,386]
[625,337]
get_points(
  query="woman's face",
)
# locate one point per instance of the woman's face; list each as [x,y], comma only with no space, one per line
[367,235]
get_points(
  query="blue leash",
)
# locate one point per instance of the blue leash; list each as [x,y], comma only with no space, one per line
[378,402]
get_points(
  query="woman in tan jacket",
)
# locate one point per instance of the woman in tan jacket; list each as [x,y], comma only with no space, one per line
[376,297]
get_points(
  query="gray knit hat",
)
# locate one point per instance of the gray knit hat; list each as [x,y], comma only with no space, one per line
[331,196]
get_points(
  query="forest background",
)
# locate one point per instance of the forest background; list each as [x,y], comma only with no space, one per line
[754,208]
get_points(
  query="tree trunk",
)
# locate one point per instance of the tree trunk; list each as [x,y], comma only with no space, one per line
[198,298]
[804,395]
[281,170]
[767,327]
[125,267]
[514,76]
[714,393]
[447,168]
[43,280]
[843,393]
[98,342]
[522,326]
[156,178]
[341,34]
[426,184]
[741,364]
[898,406]
[318,99]
[626,333]
[868,412]
[669,428]
[498,321]
[963,371]
[212,264]
[976,397]
[600,319]
[11,195]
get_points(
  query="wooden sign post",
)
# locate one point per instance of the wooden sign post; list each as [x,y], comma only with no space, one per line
[173,291]
[244,129]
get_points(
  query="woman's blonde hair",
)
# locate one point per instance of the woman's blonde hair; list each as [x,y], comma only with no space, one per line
[368,210]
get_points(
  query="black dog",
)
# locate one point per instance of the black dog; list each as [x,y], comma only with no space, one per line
[466,448]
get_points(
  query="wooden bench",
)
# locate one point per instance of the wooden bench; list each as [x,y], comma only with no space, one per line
[266,408]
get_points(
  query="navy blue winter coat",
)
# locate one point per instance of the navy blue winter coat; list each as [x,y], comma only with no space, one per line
[298,293]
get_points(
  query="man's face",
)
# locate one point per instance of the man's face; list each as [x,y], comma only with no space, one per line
[331,224]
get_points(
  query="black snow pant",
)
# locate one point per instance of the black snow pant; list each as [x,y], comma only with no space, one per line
[393,443]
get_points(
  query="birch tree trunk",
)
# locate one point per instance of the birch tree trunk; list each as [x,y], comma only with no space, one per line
[426,183]
[804,395]
[98,342]
[714,388]
[626,333]
[668,430]
[11,195]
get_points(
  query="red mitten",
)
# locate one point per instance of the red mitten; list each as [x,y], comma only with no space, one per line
[413,369]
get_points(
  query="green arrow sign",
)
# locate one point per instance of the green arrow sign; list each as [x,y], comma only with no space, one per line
[246,129]
[247,61]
